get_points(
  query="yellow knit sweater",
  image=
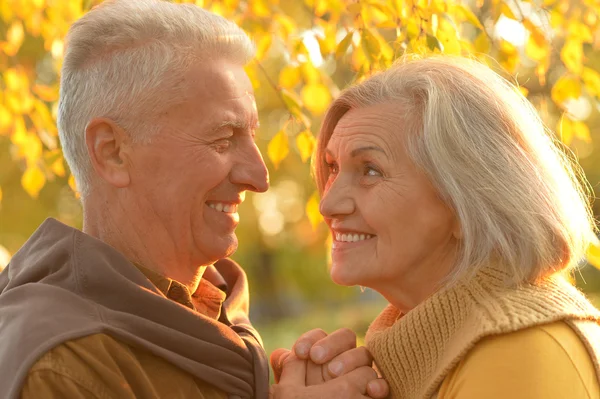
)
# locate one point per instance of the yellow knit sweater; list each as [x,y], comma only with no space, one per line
[416,351]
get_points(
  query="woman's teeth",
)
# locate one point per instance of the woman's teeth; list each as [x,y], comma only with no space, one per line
[352,237]
[223,207]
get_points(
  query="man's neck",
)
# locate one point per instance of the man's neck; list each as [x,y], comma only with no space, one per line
[142,241]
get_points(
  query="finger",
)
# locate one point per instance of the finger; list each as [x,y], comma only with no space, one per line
[333,345]
[276,360]
[306,341]
[350,360]
[314,374]
[360,378]
[293,371]
[378,389]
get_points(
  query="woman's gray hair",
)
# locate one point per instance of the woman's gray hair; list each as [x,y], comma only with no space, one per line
[126,59]
[519,197]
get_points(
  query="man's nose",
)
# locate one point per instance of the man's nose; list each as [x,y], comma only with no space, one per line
[337,200]
[251,171]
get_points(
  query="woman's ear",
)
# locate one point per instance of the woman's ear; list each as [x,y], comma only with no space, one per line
[105,141]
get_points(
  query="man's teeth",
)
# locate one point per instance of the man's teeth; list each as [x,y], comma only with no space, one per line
[352,237]
[223,207]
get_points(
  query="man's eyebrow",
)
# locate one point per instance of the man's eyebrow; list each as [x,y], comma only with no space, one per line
[236,124]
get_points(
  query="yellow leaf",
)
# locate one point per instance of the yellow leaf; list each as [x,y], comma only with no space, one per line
[14,37]
[73,186]
[507,11]
[260,8]
[565,129]
[566,87]
[0,195]
[342,47]
[523,91]
[46,93]
[33,180]
[591,80]
[468,15]
[278,148]
[16,80]
[312,211]
[289,77]
[535,50]
[581,131]
[5,120]
[305,142]
[447,35]
[310,73]
[316,98]
[58,167]
[264,43]
[572,55]
[507,47]
[370,45]
[593,255]
[580,31]
[482,43]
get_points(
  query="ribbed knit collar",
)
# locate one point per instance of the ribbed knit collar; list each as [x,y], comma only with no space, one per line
[416,351]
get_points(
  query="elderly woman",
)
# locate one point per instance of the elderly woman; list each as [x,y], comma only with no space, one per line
[444,193]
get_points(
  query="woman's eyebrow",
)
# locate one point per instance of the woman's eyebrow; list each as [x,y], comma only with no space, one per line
[357,151]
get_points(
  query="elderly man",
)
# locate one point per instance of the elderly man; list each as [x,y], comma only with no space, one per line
[157,122]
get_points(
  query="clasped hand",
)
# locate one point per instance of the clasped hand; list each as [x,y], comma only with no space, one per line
[326,366]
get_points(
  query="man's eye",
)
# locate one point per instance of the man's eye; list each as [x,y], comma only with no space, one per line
[222,145]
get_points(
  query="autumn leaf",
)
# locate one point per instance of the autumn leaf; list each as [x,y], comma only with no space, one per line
[572,55]
[278,148]
[305,142]
[316,98]
[591,80]
[289,77]
[312,210]
[33,180]
[370,45]
[565,130]
[566,87]
[342,47]
[593,255]
[581,131]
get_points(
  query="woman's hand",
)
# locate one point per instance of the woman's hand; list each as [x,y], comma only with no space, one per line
[330,356]
[358,383]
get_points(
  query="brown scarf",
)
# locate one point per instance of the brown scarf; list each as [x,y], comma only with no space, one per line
[63,285]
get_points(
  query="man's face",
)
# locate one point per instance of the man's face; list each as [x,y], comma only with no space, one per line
[194,173]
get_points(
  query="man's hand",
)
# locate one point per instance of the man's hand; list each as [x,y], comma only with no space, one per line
[328,357]
[358,383]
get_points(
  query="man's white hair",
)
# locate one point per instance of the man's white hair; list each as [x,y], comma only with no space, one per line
[519,198]
[126,59]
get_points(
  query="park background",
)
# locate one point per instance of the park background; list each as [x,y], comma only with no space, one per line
[308,50]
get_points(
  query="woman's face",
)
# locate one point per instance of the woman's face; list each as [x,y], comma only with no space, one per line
[391,231]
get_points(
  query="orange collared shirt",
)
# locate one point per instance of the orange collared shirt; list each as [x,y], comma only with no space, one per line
[99,366]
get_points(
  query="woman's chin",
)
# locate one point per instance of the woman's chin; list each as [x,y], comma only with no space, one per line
[343,276]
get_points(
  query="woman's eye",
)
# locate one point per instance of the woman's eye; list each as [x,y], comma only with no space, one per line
[370,171]
[333,168]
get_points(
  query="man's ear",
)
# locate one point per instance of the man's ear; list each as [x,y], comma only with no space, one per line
[105,141]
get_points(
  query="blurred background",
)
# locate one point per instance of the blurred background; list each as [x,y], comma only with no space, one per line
[308,50]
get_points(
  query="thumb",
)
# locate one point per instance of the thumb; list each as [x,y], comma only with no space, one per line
[277,358]
[294,371]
